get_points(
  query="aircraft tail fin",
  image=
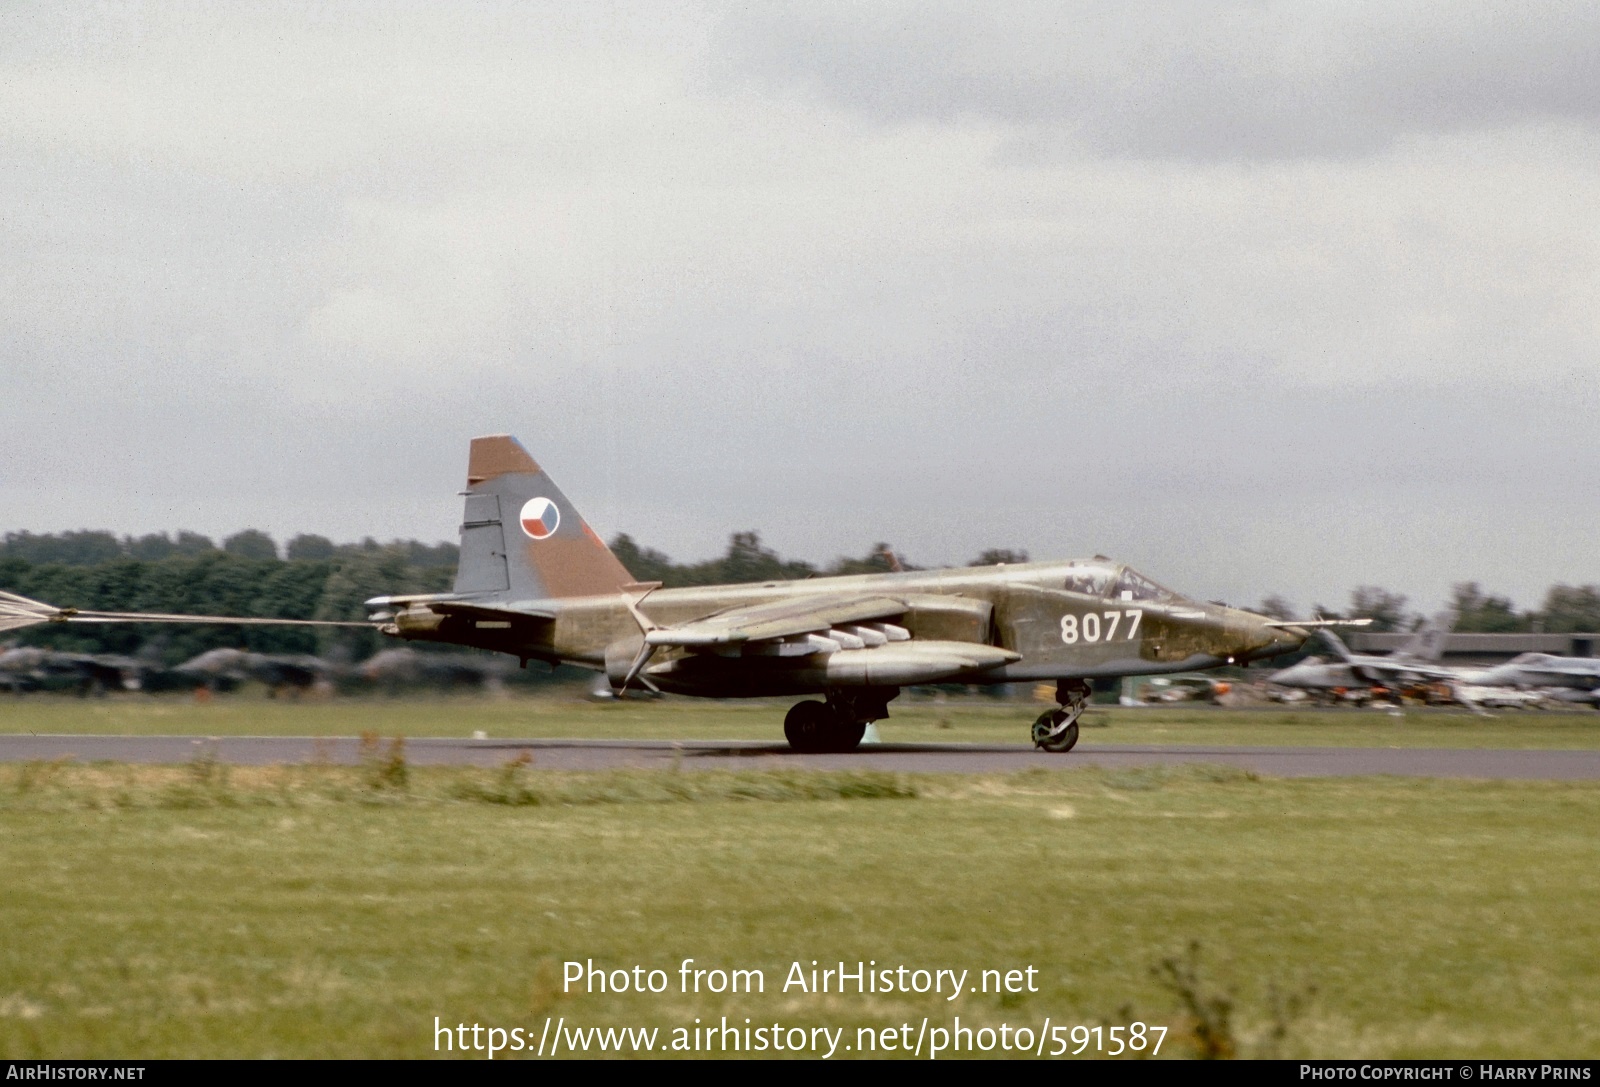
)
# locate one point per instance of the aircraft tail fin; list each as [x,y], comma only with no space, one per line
[1336,643]
[1427,641]
[520,537]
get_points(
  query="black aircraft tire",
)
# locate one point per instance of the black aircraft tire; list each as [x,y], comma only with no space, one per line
[808,726]
[815,728]
[1059,744]
[847,735]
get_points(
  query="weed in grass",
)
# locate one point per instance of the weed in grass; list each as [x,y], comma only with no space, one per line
[1210,1011]
[204,768]
[39,774]
[204,784]
[384,769]
[1283,1009]
[512,787]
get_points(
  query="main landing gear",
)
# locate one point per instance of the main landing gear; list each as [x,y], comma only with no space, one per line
[839,723]
[1057,730]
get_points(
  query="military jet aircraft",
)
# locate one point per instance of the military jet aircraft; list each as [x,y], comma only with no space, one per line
[280,672]
[1176,688]
[536,582]
[1414,663]
[27,668]
[1576,678]
[404,666]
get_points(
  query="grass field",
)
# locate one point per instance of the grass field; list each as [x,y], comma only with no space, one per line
[972,720]
[312,910]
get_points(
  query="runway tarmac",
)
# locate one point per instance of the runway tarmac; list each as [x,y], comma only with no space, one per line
[754,754]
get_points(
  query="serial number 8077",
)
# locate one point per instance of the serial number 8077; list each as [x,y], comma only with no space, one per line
[1090,627]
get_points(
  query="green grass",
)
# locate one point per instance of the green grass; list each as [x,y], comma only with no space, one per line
[313,910]
[960,719]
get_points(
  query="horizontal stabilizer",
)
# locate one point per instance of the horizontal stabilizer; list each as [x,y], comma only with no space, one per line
[541,609]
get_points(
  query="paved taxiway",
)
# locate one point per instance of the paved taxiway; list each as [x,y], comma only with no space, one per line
[751,754]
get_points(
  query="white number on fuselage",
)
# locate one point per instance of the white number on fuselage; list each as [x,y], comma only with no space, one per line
[1089,629]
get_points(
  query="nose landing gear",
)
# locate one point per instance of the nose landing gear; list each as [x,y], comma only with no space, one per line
[1057,730]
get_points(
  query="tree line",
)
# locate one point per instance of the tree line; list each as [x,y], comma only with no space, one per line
[221,582]
[91,548]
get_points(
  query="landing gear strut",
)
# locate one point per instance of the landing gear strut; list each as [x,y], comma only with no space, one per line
[838,724]
[1057,730]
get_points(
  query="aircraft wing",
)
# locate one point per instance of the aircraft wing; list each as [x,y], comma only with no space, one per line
[1410,669]
[781,619]
[1563,669]
[1387,672]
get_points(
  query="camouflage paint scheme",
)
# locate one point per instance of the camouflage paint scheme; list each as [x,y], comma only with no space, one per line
[564,598]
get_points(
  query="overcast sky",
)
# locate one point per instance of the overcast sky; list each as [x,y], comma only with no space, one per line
[1261,297]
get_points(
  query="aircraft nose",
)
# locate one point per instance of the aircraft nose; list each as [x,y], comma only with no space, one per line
[1267,640]
[1285,676]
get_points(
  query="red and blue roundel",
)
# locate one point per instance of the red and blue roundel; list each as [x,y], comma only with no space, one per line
[540,518]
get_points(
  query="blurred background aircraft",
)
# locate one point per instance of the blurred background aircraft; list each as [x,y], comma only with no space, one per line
[1415,665]
[31,668]
[223,669]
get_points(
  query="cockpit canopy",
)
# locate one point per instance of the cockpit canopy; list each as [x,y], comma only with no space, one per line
[1095,577]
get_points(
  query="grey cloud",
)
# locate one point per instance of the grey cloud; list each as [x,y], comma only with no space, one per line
[1237,80]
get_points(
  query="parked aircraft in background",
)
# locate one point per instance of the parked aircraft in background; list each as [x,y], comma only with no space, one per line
[534,581]
[1414,664]
[1502,698]
[1177,688]
[279,672]
[27,668]
[404,666]
[1567,679]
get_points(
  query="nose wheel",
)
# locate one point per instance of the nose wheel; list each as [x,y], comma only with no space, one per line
[1057,730]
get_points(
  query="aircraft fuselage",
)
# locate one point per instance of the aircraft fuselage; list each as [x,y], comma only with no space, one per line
[1022,609]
